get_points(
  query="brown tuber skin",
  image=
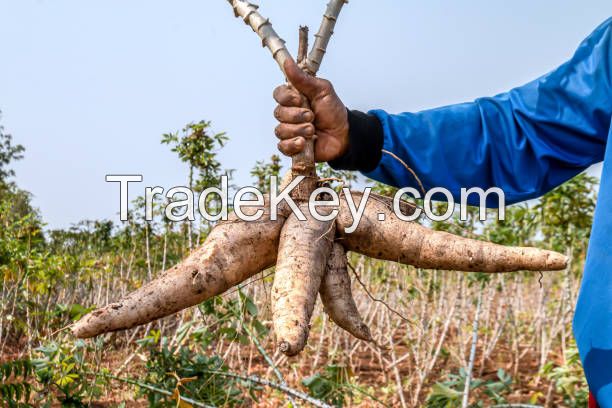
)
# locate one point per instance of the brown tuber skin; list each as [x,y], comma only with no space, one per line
[236,250]
[302,258]
[412,244]
[337,297]
[233,252]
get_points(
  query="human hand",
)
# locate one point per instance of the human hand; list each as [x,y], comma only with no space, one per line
[327,117]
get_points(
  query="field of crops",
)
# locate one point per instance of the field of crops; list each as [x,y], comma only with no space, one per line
[503,338]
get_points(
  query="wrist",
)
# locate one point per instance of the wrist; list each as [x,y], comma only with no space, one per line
[363,143]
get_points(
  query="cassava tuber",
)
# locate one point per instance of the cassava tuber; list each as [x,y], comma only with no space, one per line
[337,296]
[234,251]
[302,258]
[413,244]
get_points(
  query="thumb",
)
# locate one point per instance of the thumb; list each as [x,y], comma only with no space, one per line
[304,83]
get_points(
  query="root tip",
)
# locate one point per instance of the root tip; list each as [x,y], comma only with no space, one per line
[285,348]
[367,335]
[557,261]
[78,333]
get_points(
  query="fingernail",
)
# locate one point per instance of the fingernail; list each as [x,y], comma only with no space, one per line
[310,130]
[308,116]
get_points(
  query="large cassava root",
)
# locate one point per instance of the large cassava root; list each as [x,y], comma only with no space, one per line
[233,251]
[413,244]
[302,258]
[307,258]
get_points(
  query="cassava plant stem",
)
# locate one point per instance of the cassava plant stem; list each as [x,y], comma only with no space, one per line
[303,163]
[322,37]
[470,368]
[263,28]
[281,387]
[302,45]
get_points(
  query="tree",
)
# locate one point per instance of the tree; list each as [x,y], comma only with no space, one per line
[197,146]
[262,172]
[8,154]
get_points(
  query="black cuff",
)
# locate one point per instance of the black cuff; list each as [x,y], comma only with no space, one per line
[365,143]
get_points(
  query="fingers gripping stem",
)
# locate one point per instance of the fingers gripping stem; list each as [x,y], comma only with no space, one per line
[303,163]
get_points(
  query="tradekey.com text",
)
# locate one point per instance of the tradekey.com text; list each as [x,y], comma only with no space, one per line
[213,203]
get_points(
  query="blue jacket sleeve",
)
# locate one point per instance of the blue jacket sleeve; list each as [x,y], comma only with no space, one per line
[525,141]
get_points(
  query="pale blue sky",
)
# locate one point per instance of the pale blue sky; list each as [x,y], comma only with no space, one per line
[89,87]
